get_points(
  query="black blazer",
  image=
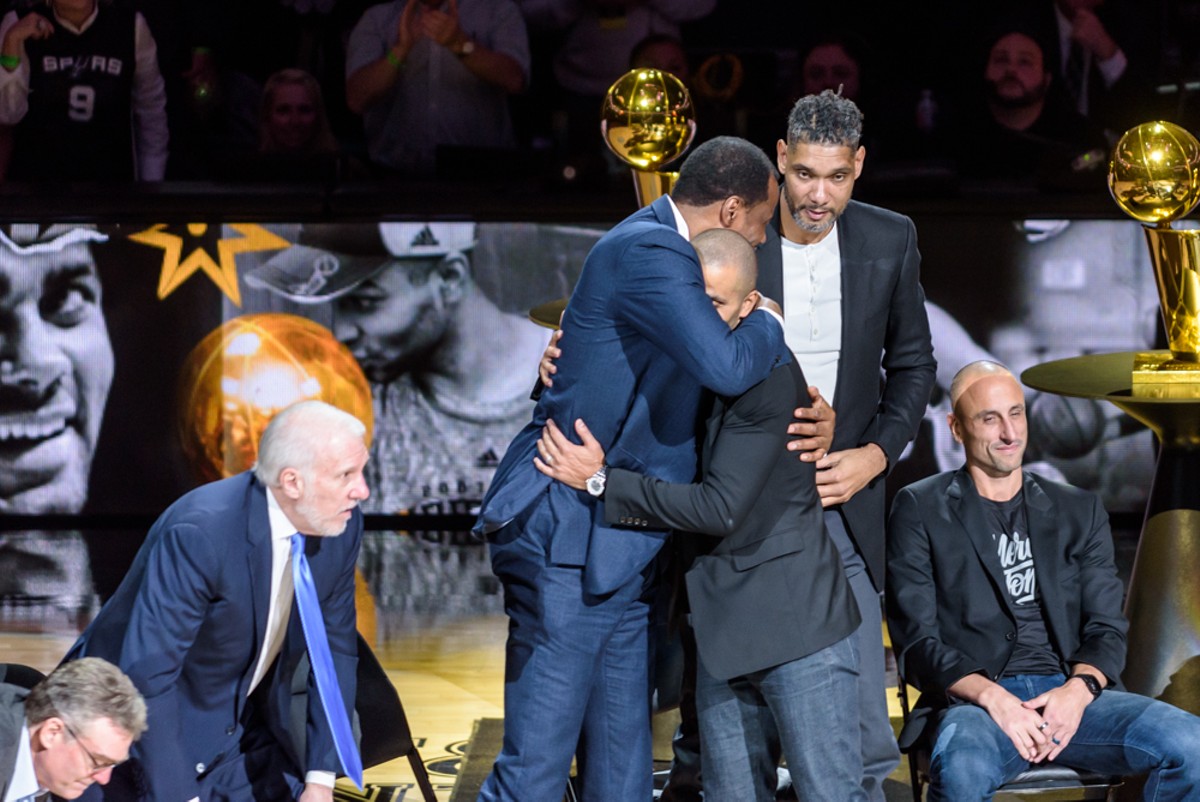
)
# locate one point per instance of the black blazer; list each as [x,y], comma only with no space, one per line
[768,586]
[948,611]
[886,369]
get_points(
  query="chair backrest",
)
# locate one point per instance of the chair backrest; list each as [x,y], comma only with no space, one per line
[20,675]
[1039,779]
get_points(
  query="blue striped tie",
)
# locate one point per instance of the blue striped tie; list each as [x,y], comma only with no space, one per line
[322,663]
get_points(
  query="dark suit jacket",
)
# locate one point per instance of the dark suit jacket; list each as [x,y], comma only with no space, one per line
[641,339]
[12,719]
[187,625]
[948,611]
[768,586]
[884,327]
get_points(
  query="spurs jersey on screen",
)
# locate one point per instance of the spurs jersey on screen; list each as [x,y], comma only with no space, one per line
[80,88]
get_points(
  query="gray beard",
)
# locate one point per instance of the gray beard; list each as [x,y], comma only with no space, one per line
[811,228]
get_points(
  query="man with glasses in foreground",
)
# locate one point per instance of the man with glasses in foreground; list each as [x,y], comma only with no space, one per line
[71,730]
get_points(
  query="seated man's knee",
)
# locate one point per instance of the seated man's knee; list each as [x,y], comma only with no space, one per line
[1181,745]
[965,763]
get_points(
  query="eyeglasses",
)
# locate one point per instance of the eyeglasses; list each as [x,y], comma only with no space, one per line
[97,765]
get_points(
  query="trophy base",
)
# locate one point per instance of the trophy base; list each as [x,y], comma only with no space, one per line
[1158,374]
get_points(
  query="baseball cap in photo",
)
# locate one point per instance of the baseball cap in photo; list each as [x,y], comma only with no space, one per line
[329,260]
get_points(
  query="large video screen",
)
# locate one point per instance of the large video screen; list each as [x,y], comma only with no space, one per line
[138,359]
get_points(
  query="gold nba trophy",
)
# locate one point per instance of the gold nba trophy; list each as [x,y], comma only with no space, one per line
[648,121]
[1154,177]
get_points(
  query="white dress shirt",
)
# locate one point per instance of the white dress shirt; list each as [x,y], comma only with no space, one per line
[282,596]
[812,301]
[24,782]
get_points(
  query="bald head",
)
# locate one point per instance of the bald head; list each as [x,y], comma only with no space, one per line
[730,272]
[723,250]
[971,373]
[989,420]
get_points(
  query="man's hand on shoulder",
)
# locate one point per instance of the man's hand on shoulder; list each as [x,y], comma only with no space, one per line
[316,793]
[769,304]
[546,367]
[566,462]
[813,428]
[841,474]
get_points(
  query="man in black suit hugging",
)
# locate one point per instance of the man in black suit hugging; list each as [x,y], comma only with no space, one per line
[770,604]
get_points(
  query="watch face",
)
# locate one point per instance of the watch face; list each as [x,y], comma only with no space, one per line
[595,486]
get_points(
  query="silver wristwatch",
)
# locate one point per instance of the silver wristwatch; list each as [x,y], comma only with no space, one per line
[597,481]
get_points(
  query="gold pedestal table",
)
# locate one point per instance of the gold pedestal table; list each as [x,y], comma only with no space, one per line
[1163,602]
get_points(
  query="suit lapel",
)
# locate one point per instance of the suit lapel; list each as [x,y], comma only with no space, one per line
[258,563]
[1044,536]
[856,290]
[770,262]
[965,504]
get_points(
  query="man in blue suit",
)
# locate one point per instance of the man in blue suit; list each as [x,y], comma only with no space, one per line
[643,340]
[205,627]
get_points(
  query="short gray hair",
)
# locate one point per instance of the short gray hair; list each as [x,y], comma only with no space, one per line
[295,435]
[725,249]
[87,690]
[825,119]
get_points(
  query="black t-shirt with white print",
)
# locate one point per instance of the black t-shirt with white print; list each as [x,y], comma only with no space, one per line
[1009,526]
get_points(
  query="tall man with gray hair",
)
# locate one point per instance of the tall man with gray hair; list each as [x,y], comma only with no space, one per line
[847,276]
[204,622]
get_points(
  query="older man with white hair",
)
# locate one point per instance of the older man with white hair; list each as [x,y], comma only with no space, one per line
[204,623]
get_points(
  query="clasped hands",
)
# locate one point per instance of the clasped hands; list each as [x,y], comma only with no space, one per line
[1042,727]
[419,19]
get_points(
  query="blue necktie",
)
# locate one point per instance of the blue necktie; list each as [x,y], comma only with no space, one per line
[322,663]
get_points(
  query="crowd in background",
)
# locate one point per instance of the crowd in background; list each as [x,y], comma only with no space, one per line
[1030,94]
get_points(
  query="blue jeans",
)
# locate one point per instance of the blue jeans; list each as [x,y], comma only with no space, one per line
[576,677]
[810,705]
[880,754]
[1120,733]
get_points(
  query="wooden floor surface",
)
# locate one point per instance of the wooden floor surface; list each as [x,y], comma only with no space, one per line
[447,677]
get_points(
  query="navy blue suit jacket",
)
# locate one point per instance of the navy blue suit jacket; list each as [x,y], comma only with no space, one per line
[886,369]
[640,339]
[187,625]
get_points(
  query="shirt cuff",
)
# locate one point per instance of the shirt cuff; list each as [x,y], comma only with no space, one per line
[773,314]
[1113,67]
[325,778]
